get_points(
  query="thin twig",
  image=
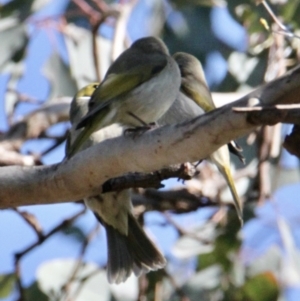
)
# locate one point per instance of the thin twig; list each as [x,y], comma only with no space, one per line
[85,244]
[31,220]
[88,10]
[182,232]
[58,141]
[178,290]
[95,28]
[63,224]
[284,30]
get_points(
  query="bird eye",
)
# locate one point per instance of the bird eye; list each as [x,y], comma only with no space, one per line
[95,86]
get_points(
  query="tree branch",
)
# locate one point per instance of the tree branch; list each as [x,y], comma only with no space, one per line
[186,142]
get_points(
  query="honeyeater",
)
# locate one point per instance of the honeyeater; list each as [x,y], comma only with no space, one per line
[128,247]
[193,100]
[138,88]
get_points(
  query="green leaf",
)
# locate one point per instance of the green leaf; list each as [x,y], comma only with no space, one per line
[34,293]
[21,9]
[206,260]
[14,41]
[290,11]
[11,98]
[261,287]
[7,282]
[74,232]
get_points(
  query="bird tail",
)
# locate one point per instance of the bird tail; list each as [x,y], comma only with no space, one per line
[221,158]
[133,252]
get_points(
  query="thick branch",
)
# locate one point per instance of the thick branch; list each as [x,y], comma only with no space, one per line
[186,142]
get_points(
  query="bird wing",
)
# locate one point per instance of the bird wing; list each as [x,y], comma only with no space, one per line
[200,94]
[117,84]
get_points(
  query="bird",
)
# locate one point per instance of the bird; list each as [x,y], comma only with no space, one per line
[193,100]
[138,88]
[129,248]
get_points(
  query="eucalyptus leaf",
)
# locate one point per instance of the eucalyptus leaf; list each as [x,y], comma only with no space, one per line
[11,97]
[208,278]
[261,287]
[14,41]
[241,66]
[7,282]
[88,283]
[127,291]
[80,50]
[34,293]
[198,241]
[22,8]
[202,286]
[59,76]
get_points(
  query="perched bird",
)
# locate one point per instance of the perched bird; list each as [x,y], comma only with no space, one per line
[138,88]
[194,100]
[129,248]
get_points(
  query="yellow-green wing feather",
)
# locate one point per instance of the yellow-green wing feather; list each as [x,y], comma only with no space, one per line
[85,134]
[115,85]
[199,93]
[78,108]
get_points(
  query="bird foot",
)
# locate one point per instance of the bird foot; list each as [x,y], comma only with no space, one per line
[139,130]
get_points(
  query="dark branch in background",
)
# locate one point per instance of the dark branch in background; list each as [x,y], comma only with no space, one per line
[33,126]
[66,288]
[96,19]
[36,123]
[57,142]
[264,148]
[183,232]
[87,10]
[179,291]
[31,220]
[95,28]
[276,67]
[292,141]
[41,238]
[65,223]
[178,201]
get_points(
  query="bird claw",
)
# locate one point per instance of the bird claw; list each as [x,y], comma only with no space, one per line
[140,130]
[198,163]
